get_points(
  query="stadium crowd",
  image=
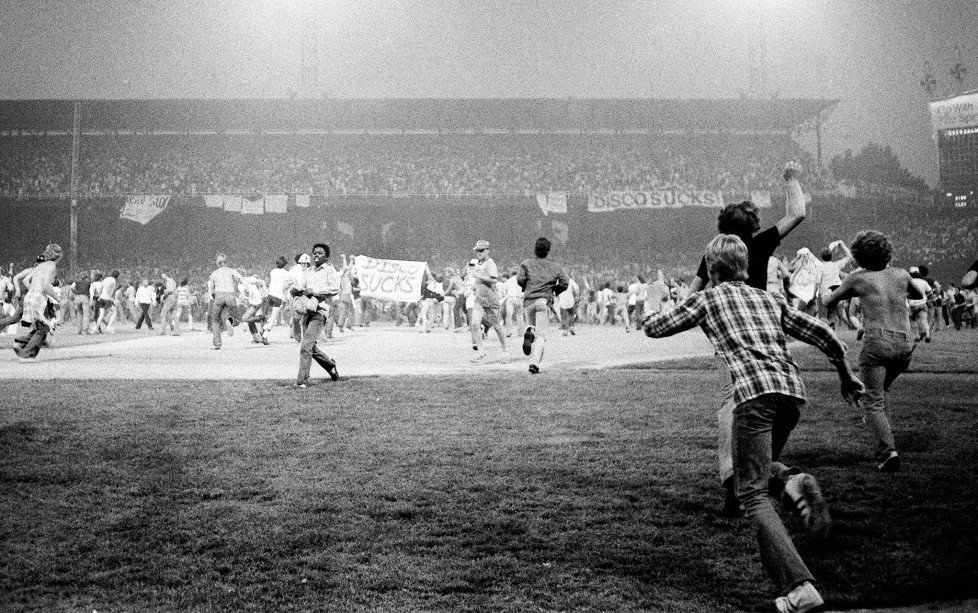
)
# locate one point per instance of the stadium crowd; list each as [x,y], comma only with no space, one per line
[456,165]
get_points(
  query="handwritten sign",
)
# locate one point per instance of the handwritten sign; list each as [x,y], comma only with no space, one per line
[398,280]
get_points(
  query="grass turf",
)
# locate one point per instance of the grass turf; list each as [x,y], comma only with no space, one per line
[595,492]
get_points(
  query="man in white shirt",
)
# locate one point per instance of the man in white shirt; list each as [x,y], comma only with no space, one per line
[918,308]
[297,278]
[251,288]
[514,304]
[277,281]
[830,279]
[169,302]
[145,296]
[106,302]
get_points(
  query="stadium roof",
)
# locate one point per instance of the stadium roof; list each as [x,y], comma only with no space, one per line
[416,114]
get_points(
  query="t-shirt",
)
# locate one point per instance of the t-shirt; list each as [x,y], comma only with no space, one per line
[276,283]
[485,293]
[924,288]
[760,247]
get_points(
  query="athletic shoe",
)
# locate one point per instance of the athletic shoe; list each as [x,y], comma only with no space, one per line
[334,374]
[805,496]
[479,357]
[24,360]
[860,333]
[528,338]
[888,462]
[799,600]
[301,386]
[534,369]
[475,347]
[215,347]
[264,338]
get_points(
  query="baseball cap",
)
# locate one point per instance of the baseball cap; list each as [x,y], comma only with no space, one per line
[473,262]
[305,259]
[480,245]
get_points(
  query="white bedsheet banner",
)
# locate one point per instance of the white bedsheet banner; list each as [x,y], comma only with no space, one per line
[143,209]
[398,280]
[658,199]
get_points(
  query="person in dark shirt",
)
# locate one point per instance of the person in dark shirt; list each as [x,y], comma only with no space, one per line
[743,220]
[541,280]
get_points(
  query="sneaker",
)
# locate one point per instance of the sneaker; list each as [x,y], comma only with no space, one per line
[572,332]
[215,347]
[805,496]
[888,462]
[534,369]
[475,347]
[301,386]
[799,600]
[334,374]
[860,333]
[479,357]
[528,338]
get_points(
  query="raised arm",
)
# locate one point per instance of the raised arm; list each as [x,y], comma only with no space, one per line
[795,209]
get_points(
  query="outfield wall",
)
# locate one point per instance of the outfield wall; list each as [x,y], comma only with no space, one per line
[442,230]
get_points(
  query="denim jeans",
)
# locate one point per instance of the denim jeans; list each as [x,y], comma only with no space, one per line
[537,314]
[312,326]
[761,428]
[885,354]
[221,308]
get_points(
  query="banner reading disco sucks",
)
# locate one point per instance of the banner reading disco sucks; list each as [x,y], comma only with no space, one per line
[398,280]
[658,199]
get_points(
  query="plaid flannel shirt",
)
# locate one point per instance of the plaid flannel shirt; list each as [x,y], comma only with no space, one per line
[749,328]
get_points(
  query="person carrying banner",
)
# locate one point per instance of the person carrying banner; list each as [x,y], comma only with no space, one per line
[315,296]
[485,274]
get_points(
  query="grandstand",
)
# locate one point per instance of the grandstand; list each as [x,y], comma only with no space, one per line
[611,181]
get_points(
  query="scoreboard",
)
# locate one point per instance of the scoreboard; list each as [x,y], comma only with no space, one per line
[955,124]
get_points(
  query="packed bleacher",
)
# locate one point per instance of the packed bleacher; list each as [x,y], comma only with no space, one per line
[417,164]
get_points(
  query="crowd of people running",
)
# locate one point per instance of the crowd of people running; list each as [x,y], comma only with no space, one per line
[746,297]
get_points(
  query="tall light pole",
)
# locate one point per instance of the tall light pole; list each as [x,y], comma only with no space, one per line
[75,146]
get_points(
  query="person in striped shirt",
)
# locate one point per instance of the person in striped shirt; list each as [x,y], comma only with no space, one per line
[749,328]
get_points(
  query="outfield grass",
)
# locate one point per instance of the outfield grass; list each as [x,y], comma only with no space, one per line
[512,493]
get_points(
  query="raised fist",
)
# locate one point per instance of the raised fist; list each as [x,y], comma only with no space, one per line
[792,170]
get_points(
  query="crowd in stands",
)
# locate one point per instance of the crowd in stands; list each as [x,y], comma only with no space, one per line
[414,164]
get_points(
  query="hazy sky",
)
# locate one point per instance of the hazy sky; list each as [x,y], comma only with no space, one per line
[869,54]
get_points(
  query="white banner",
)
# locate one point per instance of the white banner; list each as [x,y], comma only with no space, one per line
[302,201]
[143,209]
[659,199]
[398,280]
[554,202]
[214,201]
[276,203]
[232,204]
[957,112]
[253,205]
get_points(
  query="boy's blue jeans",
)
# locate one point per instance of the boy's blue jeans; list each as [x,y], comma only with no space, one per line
[761,427]
[885,354]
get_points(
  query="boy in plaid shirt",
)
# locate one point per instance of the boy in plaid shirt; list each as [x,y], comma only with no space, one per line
[750,328]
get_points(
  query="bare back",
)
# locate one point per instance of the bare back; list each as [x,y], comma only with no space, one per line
[882,296]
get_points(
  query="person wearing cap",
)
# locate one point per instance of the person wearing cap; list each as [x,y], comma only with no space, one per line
[296,278]
[541,280]
[40,292]
[223,287]
[485,305]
